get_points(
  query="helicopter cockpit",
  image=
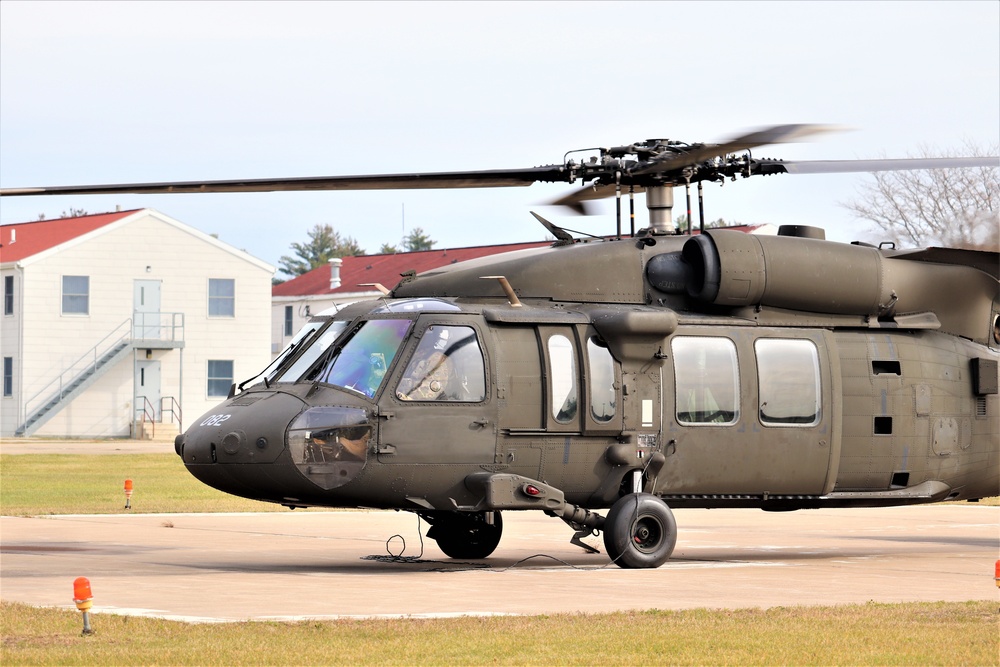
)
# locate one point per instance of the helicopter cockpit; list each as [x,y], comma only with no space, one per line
[448,363]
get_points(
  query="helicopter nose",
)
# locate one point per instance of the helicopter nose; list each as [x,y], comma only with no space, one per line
[245,429]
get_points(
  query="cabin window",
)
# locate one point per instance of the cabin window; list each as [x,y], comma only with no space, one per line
[361,364]
[706,380]
[602,380]
[76,295]
[220,377]
[562,383]
[446,366]
[8,295]
[221,297]
[789,382]
[8,376]
[288,321]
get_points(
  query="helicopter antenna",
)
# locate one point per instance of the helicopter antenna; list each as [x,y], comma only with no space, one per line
[379,286]
[561,234]
[507,289]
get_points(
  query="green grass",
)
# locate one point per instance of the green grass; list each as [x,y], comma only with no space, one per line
[35,484]
[872,634]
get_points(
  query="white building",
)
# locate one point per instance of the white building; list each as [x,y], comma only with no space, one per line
[115,321]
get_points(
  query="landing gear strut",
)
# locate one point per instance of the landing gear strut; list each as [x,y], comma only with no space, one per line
[640,531]
[466,535]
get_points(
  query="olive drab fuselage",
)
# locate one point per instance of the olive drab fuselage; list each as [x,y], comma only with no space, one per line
[717,370]
[629,374]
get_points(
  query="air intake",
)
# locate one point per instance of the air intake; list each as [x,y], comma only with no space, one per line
[802,232]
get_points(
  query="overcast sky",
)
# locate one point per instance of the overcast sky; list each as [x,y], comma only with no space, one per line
[94,92]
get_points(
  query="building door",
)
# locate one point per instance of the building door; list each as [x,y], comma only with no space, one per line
[146,309]
[147,390]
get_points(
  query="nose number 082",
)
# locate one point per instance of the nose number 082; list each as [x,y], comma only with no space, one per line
[215,420]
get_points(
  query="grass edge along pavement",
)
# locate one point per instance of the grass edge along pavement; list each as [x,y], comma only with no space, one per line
[939,633]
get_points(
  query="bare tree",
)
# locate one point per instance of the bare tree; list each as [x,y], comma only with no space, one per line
[957,208]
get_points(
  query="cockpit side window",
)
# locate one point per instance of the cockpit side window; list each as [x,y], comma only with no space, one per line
[446,366]
[362,362]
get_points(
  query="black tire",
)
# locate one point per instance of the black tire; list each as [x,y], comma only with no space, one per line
[467,536]
[640,531]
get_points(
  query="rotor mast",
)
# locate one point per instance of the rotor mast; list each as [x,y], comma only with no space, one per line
[660,202]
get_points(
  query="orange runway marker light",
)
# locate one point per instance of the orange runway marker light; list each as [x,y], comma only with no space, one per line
[996,574]
[84,600]
[128,494]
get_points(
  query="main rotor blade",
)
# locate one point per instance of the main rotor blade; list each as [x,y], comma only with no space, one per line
[854,166]
[776,134]
[495,178]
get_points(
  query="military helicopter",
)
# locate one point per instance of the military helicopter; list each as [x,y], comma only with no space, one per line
[604,381]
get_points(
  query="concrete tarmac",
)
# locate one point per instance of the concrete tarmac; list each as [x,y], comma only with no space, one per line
[324,565]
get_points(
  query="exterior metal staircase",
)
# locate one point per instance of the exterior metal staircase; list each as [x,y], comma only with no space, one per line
[83,372]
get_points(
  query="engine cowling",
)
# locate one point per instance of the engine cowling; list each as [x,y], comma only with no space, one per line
[731,268]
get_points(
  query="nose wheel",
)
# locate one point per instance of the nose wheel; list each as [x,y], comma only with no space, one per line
[467,535]
[640,531]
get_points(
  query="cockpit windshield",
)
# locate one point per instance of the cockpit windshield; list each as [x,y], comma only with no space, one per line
[316,347]
[301,338]
[361,363]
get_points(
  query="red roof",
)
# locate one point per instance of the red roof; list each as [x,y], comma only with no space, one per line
[386,269]
[24,239]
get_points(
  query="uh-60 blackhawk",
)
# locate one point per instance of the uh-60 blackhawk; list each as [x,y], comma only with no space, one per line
[631,374]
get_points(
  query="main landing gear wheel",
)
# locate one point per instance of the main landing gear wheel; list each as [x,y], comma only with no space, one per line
[467,535]
[640,531]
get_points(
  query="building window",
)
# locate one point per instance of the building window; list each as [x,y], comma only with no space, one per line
[76,295]
[288,320]
[8,376]
[707,380]
[8,295]
[221,297]
[220,376]
[788,376]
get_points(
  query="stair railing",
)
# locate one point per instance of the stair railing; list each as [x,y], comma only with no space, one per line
[148,415]
[170,404]
[58,387]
